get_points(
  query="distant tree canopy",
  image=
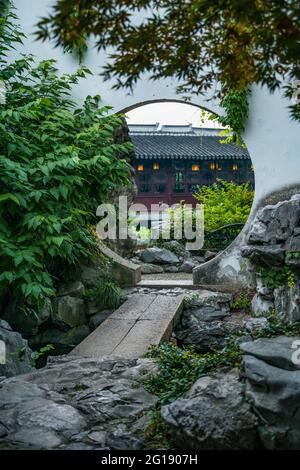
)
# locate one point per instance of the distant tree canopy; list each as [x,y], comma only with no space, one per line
[200,42]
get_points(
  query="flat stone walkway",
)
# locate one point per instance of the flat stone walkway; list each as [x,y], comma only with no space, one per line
[167,284]
[168,276]
[142,320]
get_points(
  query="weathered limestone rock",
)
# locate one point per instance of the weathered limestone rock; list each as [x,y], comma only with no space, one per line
[213,415]
[267,255]
[205,335]
[148,268]
[205,298]
[208,255]
[90,274]
[18,353]
[274,242]
[201,323]
[262,289]
[277,352]
[206,314]
[253,324]
[76,404]
[171,269]
[276,223]
[260,306]
[74,289]
[199,259]
[287,302]
[188,265]
[176,247]
[26,320]
[69,311]
[207,321]
[228,267]
[156,255]
[91,307]
[293,243]
[273,387]
[135,260]
[38,419]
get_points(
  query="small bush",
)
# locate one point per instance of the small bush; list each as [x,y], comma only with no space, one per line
[277,277]
[107,293]
[156,432]
[241,302]
[225,203]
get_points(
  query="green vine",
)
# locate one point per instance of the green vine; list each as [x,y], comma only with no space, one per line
[236,106]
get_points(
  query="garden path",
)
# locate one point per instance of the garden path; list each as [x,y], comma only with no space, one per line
[142,320]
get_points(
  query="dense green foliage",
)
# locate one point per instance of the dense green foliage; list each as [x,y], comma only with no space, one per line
[198,42]
[235,105]
[179,368]
[275,277]
[107,293]
[225,203]
[58,162]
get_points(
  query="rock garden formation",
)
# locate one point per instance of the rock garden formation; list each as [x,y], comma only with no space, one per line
[171,257]
[229,378]
[274,251]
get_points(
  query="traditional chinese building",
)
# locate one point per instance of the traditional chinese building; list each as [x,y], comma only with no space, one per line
[171,161]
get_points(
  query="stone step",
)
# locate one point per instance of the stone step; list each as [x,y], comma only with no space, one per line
[140,321]
[167,284]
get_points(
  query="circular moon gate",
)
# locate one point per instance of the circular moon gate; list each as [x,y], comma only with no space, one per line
[272,138]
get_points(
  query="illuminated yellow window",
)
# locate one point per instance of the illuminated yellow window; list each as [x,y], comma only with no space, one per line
[155,166]
[140,168]
[195,167]
[219,167]
[212,166]
[234,167]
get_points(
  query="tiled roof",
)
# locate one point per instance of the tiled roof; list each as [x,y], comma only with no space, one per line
[168,145]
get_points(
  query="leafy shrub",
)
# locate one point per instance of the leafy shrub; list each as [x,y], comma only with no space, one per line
[41,353]
[107,293]
[57,164]
[179,367]
[225,202]
[276,277]
[241,302]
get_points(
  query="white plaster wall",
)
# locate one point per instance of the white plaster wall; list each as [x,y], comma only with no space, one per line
[272,138]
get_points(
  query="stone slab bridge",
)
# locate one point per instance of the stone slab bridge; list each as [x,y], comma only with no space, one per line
[272,138]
